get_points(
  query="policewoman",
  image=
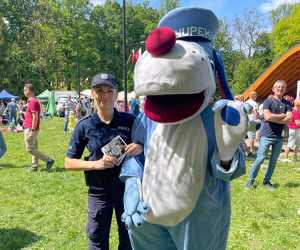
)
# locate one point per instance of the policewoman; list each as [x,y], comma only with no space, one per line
[105,190]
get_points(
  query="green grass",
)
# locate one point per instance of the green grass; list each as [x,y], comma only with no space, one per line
[48,210]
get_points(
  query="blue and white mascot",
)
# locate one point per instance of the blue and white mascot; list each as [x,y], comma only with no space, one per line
[177,196]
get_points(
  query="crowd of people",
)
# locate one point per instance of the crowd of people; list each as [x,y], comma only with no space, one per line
[12,113]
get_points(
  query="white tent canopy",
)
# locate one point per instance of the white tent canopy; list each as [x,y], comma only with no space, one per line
[130,96]
[86,92]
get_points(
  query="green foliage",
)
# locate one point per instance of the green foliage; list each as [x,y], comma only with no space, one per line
[263,50]
[246,73]
[281,11]
[3,46]
[46,40]
[286,32]
[224,43]
[167,5]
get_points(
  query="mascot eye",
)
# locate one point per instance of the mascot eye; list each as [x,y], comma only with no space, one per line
[194,51]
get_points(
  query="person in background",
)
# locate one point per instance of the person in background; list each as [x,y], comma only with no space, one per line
[254,117]
[290,99]
[79,110]
[72,121]
[294,131]
[105,189]
[277,113]
[121,106]
[69,105]
[2,145]
[31,127]
[12,110]
[239,98]
[134,107]
[2,109]
[86,103]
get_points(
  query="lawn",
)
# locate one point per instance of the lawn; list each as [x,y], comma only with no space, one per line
[48,210]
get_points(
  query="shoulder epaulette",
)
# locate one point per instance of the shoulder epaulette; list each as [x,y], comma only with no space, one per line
[84,118]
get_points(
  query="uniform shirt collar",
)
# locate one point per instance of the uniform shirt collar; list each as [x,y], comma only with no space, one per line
[97,119]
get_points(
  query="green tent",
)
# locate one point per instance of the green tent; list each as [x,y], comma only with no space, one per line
[51,107]
[44,95]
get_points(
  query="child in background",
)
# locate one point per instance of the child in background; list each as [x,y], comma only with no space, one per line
[72,121]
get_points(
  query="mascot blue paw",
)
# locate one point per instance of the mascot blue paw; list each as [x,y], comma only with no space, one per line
[229,114]
[231,123]
[134,208]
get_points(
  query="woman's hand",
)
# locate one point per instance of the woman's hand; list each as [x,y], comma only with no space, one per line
[105,162]
[133,149]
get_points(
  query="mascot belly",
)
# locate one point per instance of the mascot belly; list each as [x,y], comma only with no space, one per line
[177,194]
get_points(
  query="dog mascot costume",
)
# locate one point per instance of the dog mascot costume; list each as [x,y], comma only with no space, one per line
[177,195]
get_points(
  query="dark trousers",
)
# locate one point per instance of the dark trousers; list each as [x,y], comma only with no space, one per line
[101,203]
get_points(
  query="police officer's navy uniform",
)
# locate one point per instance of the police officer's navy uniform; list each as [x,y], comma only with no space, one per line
[105,190]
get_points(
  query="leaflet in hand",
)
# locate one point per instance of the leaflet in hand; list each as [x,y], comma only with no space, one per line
[115,148]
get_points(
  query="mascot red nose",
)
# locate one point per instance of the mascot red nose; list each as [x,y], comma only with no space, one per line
[160,41]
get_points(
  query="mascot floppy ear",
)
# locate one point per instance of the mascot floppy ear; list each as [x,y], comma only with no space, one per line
[221,76]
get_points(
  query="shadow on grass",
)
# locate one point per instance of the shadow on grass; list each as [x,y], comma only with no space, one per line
[3,165]
[59,169]
[41,169]
[9,165]
[53,170]
[17,238]
[292,185]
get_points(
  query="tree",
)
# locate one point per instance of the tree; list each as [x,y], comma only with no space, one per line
[45,39]
[141,20]
[281,11]
[263,50]
[247,29]
[285,33]
[245,74]
[4,46]
[167,5]
[224,43]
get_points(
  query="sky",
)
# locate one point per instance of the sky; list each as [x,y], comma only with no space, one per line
[227,9]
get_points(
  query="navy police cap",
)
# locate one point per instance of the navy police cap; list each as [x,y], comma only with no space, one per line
[103,78]
[191,22]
